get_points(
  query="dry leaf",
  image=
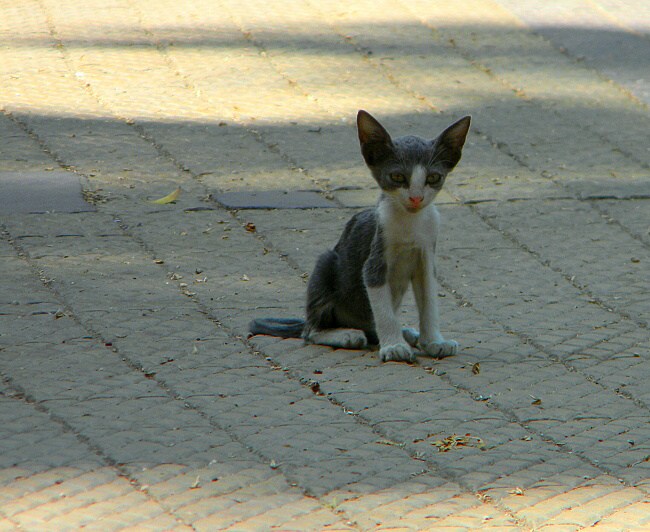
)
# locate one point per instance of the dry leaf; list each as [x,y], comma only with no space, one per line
[476,368]
[516,491]
[250,227]
[169,198]
[453,441]
[536,402]
[390,443]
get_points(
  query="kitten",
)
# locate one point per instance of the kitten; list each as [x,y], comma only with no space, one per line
[356,289]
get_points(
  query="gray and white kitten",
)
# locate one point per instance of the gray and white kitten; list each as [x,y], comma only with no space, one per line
[356,289]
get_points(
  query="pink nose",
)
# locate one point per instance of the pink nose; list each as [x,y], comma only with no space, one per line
[416,201]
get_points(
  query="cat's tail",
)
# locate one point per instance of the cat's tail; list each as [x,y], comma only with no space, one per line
[282,327]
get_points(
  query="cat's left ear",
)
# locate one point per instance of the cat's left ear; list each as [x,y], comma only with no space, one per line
[452,140]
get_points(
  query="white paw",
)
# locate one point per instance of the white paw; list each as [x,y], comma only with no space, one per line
[354,340]
[411,336]
[441,349]
[397,352]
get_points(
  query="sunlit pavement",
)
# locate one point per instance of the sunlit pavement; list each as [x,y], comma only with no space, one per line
[131,396]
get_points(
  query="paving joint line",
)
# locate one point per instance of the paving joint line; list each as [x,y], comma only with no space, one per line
[581,63]
[168,390]
[97,450]
[365,52]
[250,130]
[168,155]
[462,301]
[519,93]
[571,198]
[571,279]
[135,367]
[499,146]
[142,133]
[560,447]
[305,382]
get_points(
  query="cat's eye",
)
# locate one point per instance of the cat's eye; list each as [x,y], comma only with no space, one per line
[434,178]
[398,178]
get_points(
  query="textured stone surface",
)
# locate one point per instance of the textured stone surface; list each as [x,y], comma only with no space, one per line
[130,395]
[34,192]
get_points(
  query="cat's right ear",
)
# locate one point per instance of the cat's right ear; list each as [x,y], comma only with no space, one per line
[376,144]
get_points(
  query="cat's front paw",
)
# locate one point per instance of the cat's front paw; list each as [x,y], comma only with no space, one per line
[440,349]
[397,353]
[411,336]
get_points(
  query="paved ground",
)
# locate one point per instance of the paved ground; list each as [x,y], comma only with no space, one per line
[130,395]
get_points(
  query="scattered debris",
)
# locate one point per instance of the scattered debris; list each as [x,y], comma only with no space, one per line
[516,491]
[169,198]
[390,442]
[453,441]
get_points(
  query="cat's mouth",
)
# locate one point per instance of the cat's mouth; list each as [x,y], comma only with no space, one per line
[412,209]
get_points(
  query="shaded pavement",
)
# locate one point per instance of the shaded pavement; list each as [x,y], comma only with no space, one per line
[131,396]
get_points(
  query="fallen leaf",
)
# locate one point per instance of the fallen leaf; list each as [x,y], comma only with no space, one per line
[536,401]
[476,368]
[453,441]
[196,484]
[391,443]
[250,227]
[516,491]
[169,198]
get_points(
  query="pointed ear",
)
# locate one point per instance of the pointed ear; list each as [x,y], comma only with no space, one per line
[376,144]
[449,143]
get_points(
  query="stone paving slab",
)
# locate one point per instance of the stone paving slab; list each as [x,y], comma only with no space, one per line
[130,394]
[32,192]
[299,199]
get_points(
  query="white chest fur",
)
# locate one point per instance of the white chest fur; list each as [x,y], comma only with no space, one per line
[406,231]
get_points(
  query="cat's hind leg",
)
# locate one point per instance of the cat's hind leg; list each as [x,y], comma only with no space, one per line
[342,338]
[321,325]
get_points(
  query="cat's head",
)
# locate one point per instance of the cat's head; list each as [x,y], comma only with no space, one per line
[410,170]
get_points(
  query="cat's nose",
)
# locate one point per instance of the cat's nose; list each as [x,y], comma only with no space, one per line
[416,200]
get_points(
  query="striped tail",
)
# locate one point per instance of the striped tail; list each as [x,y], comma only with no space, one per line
[283,327]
